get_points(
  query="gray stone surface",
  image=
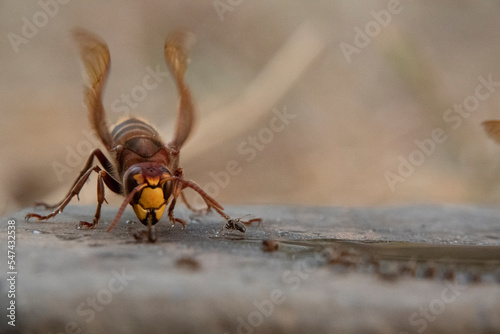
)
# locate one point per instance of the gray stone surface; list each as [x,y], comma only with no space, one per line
[197,280]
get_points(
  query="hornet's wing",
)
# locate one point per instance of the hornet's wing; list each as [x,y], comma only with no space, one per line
[96,61]
[176,58]
[492,128]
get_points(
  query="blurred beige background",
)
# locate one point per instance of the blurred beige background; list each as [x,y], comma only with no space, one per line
[354,117]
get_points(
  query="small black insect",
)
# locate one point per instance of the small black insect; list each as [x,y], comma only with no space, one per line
[240,224]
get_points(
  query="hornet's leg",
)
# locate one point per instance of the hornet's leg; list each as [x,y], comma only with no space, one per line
[209,201]
[176,191]
[179,184]
[190,207]
[232,223]
[102,178]
[78,185]
[97,153]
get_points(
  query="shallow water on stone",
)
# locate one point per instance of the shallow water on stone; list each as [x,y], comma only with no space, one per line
[394,259]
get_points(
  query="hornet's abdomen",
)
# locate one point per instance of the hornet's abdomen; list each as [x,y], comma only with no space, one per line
[138,142]
[137,135]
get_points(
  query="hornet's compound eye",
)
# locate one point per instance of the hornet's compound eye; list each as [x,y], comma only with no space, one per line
[133,178]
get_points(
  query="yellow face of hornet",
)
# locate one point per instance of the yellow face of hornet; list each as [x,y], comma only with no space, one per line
[150,203]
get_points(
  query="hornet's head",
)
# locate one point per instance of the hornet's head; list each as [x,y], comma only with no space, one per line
[150,201]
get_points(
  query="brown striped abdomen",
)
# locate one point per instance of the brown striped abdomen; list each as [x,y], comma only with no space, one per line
[140,141]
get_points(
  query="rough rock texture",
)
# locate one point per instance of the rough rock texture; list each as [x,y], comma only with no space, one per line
[200,280]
